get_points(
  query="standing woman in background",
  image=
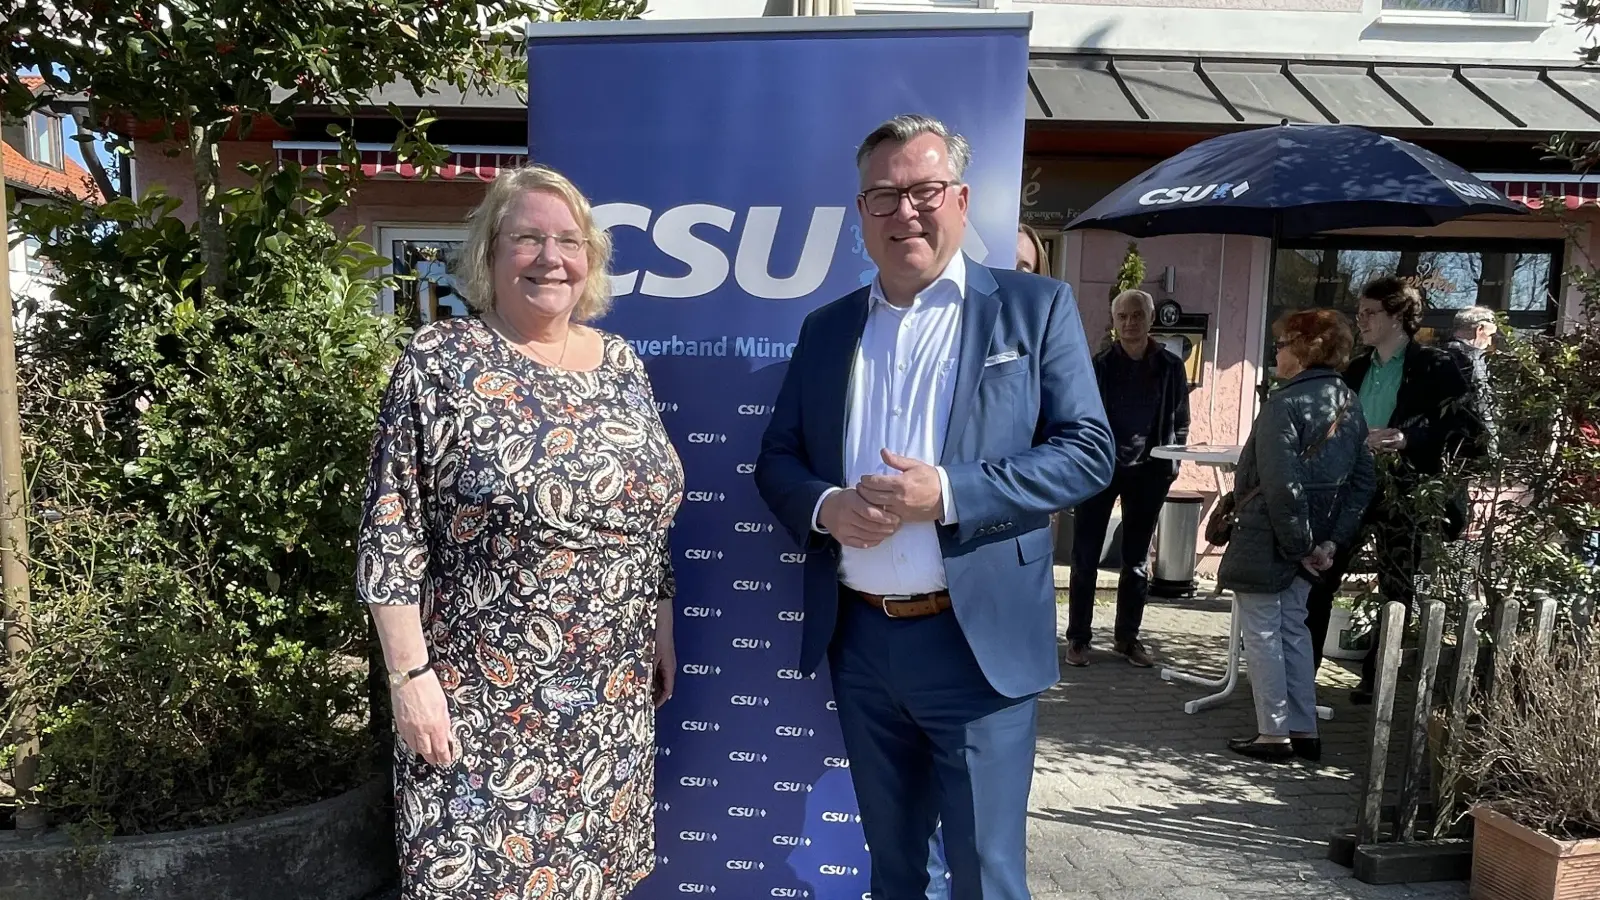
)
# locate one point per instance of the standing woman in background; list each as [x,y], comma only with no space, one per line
[1305,478]
[513,552]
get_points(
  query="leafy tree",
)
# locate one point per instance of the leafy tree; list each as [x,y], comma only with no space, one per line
[201,69]
[1131,273]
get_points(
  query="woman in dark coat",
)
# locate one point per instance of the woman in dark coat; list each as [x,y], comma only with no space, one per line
[1304,478]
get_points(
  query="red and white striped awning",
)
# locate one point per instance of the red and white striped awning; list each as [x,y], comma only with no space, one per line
[378,161]
[1534,190]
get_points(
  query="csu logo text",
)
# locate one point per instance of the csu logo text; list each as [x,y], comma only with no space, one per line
[836,762]
[791,557]
[746,756]
[692,553]
[746,812]
[791,615]
[687,888]
[697,836]
[696,781]
[839,817]
[1193,193]
[704,497]
[745,865]
[671,233]
[830,869]
[745,468]
[793,731]
[701,612]
[745,585]
[791,787]
[707,437]
[748,700]
[754,409]
[692,725]
[751,528]
[793,675]
[751,644]
[701,669]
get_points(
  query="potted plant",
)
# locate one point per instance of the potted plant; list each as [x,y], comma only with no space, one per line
[1531,763]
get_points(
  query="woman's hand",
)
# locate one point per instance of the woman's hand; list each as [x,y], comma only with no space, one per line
[422,719]
[666,665]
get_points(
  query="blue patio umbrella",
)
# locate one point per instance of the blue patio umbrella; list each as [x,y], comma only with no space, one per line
[1295,181]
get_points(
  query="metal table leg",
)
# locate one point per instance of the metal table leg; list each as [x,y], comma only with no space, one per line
[1229,679]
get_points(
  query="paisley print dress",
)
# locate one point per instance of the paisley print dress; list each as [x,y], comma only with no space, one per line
[525,509]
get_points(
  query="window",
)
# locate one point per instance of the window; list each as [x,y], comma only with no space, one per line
[1519,278]
[44,140]
[1469,7]
[30,253]
[428,256]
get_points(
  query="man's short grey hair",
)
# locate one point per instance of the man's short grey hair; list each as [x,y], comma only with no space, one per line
[1471,318]
[1144,300]
[905,128]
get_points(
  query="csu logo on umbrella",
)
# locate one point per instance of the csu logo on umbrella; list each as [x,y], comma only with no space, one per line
[1192,193]
[1473,191]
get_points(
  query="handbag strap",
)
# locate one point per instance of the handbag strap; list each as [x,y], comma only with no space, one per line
[1333,429]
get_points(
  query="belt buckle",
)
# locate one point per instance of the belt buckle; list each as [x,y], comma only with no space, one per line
[893,598]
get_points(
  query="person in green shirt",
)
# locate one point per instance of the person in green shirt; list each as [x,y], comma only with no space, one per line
[1421,412]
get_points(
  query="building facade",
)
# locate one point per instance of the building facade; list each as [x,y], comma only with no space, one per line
[36,164]
[1116,86]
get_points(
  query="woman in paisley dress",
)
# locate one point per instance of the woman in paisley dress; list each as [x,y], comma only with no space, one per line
[513,553]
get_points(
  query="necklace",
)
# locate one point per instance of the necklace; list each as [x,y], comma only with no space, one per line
[521,343]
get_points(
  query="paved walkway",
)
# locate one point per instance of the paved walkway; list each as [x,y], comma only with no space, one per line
[1135,800]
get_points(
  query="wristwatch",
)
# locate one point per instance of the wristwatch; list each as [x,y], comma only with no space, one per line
[396,679]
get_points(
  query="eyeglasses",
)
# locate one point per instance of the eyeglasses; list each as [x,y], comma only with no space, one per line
[926,196]
[530,243]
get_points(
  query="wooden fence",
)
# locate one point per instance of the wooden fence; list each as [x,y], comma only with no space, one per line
[1409,827]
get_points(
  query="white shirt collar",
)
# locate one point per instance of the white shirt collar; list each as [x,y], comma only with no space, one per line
[955,273]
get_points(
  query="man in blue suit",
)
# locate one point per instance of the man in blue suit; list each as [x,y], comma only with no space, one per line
[927,427]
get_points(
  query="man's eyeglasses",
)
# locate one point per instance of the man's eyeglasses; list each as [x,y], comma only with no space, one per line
[926,196]
[530,243]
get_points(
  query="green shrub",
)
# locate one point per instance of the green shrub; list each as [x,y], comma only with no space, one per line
[196,459]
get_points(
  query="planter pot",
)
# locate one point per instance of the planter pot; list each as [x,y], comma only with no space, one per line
[1340,642]
[340,849]
[1513,862]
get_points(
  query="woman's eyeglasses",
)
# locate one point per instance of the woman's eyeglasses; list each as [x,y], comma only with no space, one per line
[530,243]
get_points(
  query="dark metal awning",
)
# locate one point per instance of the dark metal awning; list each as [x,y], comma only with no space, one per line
[1211,92]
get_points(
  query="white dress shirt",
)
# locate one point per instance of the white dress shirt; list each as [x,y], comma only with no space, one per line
[901,387]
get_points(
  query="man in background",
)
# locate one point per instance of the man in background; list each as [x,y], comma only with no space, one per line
[1146,395]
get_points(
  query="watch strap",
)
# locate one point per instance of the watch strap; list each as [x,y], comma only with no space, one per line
[396,679]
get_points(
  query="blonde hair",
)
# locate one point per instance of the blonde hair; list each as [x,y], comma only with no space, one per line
[1038,248]
[483,227]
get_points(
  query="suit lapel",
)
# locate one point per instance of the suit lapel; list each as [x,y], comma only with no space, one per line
[979,311]
[832,381]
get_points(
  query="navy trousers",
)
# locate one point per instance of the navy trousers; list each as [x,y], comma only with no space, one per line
[932,745]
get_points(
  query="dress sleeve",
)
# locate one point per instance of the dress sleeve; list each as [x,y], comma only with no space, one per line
[392,545]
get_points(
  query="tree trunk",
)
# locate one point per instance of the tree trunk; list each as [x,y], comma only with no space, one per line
[91,157]
[213,242]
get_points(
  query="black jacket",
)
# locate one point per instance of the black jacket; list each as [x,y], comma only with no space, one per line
[1436,409]
[1299,482]
[1172,411]
[1437,412]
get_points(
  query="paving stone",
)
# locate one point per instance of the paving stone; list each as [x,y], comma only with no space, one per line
[1135,800]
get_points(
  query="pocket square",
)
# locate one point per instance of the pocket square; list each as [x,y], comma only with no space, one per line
[999,358]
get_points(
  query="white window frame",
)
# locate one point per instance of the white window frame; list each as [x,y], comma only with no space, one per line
[1520,15]
[410,231]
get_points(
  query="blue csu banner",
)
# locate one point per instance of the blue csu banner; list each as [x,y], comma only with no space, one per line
[721,154]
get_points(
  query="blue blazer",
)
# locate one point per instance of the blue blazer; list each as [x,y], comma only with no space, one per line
[1027,437]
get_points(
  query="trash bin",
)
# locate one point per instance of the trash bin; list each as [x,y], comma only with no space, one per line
[1176,534]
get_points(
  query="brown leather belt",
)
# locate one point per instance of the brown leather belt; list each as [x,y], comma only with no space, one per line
[906,606]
